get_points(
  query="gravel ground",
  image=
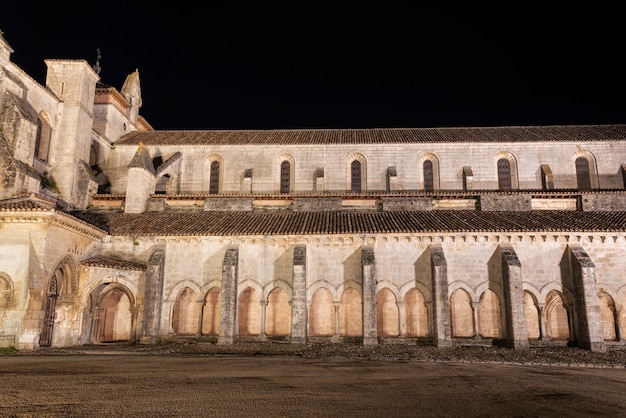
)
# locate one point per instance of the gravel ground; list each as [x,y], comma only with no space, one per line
[458,353]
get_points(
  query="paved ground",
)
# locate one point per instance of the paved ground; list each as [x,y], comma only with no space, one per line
[149,382]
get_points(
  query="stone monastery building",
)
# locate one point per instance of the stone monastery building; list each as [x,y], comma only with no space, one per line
[113,231]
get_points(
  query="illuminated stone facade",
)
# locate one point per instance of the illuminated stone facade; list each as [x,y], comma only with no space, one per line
[113,231]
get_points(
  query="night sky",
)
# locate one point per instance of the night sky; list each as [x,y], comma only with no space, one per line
[317,66]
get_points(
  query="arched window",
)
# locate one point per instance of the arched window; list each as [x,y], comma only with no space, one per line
[429,182]
[355,176]
[42,142]
[285,177]
[214,179]
[583,177]
[504,174]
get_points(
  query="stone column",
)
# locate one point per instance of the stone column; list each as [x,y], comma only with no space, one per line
[298,296]
[152,304]
[442,333]
[262,334]
[368,265]
[475,308]
[542,322]
[401,319]
[228,309]
[586,304]
[335,337]
[516,333]
[200,309]
[95,327]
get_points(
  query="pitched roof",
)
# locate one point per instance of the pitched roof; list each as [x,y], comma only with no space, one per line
[378,136]
[111,262]
[328,223]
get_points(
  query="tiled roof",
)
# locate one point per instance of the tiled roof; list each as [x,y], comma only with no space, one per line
[110,262]
[378,136]
[25,203]
[326,223]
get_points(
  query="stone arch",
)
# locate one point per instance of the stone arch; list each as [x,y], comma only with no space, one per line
[63,284]
[356,174]
[269,288]
[66,273]
[557,317]
[6,290]
[428,164]
[608,315]
[347,284]
[586,170]
[490,315]
[110,312]
[424,290]
[249,310]
[175,290]
[215,171]
[417,321]
[387,314]
[460,284]
[620,306]
[321,316]
[278,312]
[531,313]
[506,163]
[211,311]
[461,314]
[115,322]
[350,313]
[389,285]
[314,287]
[185,312]
[167,174]
[494,286]
[284,174]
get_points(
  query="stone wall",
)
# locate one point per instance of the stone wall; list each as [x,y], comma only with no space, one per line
[264,162]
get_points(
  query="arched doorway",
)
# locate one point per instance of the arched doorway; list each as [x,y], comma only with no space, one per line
[62,285]
[111,316]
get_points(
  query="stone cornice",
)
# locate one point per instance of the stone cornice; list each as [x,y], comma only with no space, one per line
[52,217]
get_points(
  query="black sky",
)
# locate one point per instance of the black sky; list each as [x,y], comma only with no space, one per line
[236,67]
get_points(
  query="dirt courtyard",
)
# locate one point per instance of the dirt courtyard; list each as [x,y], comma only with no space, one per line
[133,383]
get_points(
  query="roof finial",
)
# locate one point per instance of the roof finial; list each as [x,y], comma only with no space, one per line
[97,67]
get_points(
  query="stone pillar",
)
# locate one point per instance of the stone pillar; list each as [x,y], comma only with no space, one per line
[586,304]
[95,327]
[298,296]
[368,265]
[153,297]
[516,333]
[335,337]
[200,309]
[262,334]
[475,308]
[228,310]
[542,322]
[401,319]
[442,333]
[618,322]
